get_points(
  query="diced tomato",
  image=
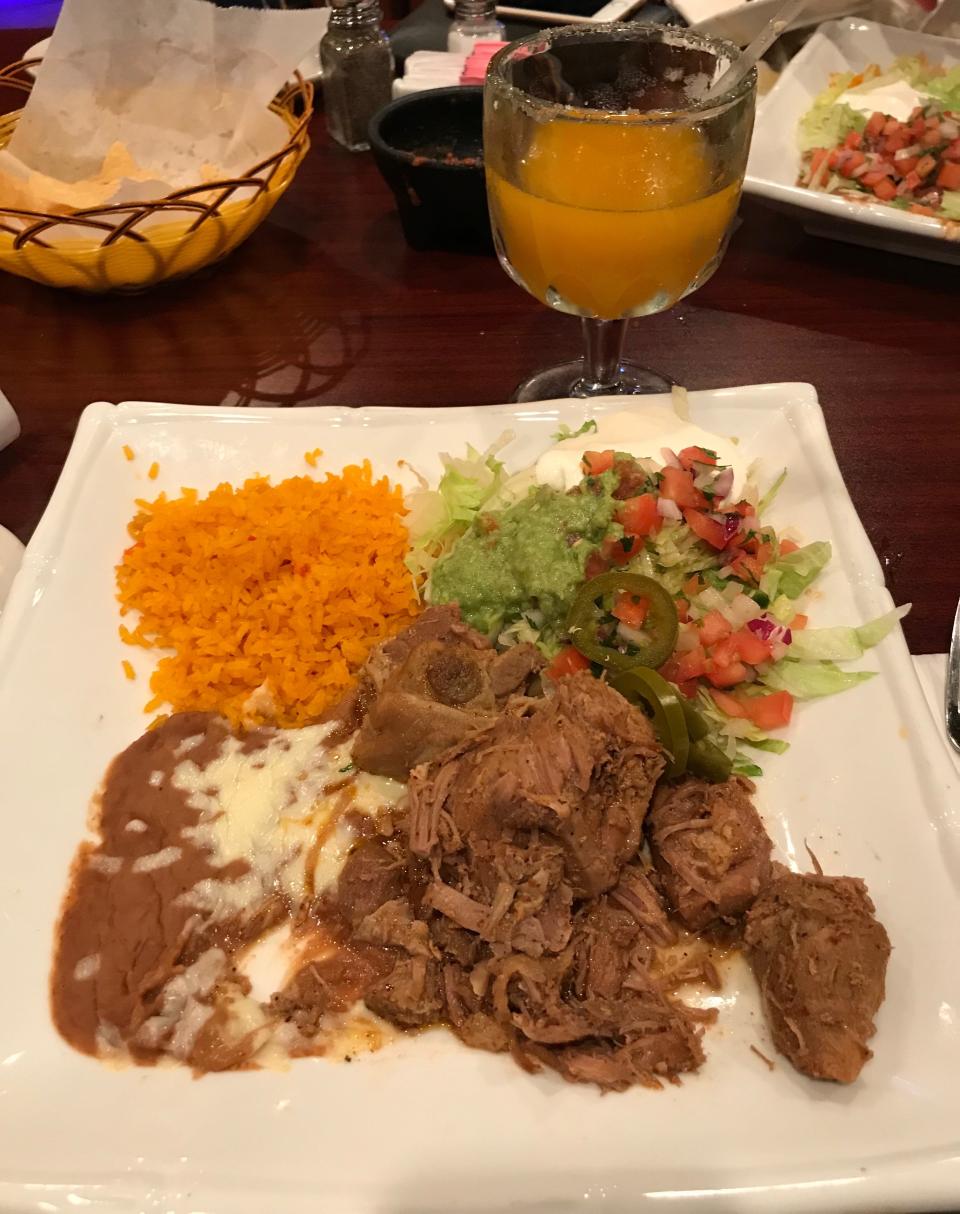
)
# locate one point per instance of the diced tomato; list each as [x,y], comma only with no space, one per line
[696,455]
[949,177]
[743,509]
[726,676]
[771,711]
[692,586]
[873,178]
[677,486]
[691,665]
[619,552]
[885,190]
[596,462]
[818,156]
[799,622]
[896,143]
[688,689]
[905,165]
[853,139]
[747,569]
[917,127]
[930,139]
[764,553]
[631,610]
[891,125]
[925,166]
[638,515]
[758,547]
[917,209]
[876,124]
[833,159]
[953,151]
[706,528]
[751,648]
[567,661]
[853,161]
[596,564]
[911,179]
[787,546]
[728,704]
[725,651]
[714,627]
[683,610]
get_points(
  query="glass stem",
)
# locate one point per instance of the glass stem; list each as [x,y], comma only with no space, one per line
[602,354]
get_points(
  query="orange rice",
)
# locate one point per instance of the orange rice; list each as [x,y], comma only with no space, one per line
[286,586]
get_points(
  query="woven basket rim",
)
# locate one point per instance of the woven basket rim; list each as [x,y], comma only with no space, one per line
[258,177]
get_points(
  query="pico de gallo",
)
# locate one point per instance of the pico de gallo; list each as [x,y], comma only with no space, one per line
[909,159]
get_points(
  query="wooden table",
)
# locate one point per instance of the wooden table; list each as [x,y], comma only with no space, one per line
[326,304]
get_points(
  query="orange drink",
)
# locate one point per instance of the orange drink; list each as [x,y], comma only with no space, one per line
[612,219]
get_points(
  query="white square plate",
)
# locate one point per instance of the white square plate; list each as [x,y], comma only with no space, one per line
[842,46]
[427,1124]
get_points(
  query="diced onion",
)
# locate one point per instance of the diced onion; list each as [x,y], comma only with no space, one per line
[669,457]
[723,485]
[668,509]
[687,640]
[742,610]
[632,636]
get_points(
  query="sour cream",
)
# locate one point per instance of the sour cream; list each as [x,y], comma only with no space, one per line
[894,97]
[641,432]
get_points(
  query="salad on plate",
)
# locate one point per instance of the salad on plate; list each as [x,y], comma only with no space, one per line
[890,136]
[653,566]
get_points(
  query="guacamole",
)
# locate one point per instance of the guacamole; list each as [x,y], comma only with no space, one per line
[530,556]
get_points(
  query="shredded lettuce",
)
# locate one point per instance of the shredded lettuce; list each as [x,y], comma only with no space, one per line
[844,644]
[826,124]
[588,427]
[478,481]
[809,680]
[950,204]
[767,500]
[775,745]
[798,570]
[945,88]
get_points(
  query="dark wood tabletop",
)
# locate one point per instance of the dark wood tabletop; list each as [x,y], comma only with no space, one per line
[326,304]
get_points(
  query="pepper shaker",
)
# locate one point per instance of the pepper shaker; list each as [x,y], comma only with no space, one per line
[357,68]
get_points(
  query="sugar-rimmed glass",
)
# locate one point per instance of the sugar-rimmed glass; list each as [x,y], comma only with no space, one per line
[613,186]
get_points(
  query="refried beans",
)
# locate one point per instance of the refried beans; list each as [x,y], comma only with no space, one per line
[207,840]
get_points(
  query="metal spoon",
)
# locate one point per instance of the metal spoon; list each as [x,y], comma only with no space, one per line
[951,702]
[785,17]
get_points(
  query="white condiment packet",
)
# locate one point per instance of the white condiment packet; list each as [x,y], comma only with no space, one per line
[147,96]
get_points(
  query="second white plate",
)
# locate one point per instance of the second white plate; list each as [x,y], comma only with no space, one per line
[842,46]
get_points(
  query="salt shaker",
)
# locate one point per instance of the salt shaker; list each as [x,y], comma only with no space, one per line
[357,68]
[473,21]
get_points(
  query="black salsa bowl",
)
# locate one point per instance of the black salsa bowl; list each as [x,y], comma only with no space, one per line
[429,149]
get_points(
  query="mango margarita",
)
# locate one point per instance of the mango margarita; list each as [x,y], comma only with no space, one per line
[611,219]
